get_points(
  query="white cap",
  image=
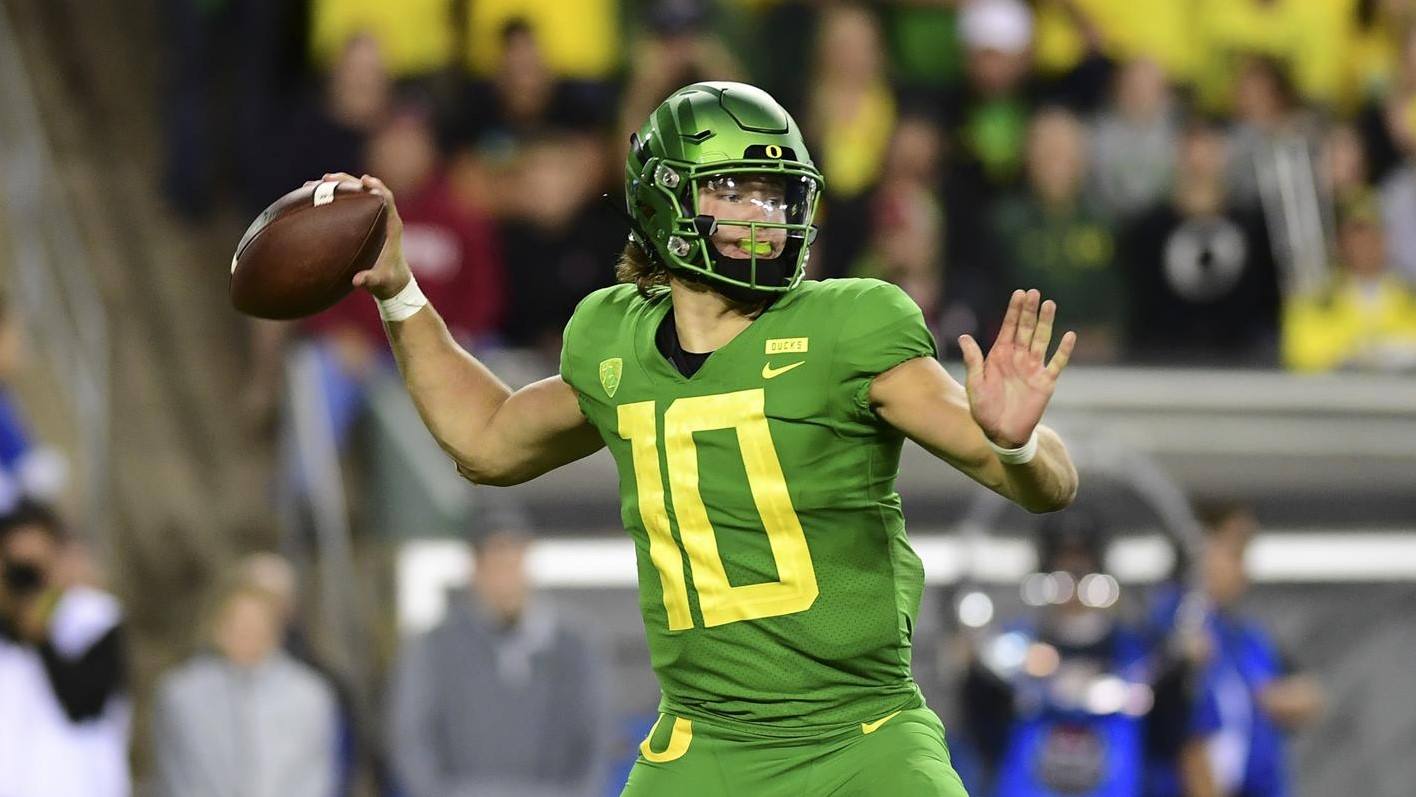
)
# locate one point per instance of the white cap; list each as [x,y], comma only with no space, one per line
[1004,25]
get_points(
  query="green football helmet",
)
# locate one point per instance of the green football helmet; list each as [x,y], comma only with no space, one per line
[718,136]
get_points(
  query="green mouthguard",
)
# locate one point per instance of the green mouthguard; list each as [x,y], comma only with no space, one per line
[759,248]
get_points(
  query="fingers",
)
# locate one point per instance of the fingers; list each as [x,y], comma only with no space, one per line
[1028,326]
[1064,353]
[973,356]
[348,182]
[1027,319]
[1043,336]
[1010,319]
[345,179]
[382,283]
[376,186]
[366,183]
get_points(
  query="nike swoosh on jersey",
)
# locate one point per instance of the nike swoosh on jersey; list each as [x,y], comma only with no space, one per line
[768,372]
[869,727]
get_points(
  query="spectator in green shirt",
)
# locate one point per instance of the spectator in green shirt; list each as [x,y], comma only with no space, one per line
[1052,237]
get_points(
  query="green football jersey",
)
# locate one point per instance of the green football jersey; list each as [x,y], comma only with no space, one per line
[775,580]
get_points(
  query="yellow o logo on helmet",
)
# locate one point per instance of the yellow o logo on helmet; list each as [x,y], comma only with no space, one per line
[774,151]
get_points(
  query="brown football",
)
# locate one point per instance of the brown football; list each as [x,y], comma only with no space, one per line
[301,254]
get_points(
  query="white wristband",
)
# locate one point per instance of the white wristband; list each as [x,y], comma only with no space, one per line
[403,304]
[1021,455]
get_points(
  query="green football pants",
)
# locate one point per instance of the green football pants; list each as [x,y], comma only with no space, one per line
[901,755]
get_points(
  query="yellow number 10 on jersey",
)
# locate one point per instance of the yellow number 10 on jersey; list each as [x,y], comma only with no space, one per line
[719,601]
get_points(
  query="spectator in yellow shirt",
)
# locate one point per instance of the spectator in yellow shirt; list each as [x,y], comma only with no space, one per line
[1366,318]
[852,110]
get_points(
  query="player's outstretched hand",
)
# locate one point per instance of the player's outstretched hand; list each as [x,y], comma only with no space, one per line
[1009,389]
[390,272]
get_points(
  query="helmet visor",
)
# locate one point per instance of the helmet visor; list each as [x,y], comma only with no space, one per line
[756,214]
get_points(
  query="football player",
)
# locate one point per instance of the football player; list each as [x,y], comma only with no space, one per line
[756,420]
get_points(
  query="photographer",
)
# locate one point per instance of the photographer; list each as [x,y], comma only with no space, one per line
[63,712]
[1070,698]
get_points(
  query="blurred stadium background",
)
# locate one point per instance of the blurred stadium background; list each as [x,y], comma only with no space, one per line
[1221,194]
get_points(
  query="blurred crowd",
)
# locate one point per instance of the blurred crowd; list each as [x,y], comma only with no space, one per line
[503,697]
[1218,182]
[1093,688]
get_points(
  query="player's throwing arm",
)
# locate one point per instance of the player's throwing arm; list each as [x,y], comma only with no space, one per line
[495,435]
[991,428]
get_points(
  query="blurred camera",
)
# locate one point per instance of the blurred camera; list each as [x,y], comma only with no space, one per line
[22,578]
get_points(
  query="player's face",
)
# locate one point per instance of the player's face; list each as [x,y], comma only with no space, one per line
[500,577]
[745,197]
[32,546]
[1224,575]
[248,630]
[1363,247]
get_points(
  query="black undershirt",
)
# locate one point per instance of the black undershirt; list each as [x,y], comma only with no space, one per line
[688,362]
[667,340]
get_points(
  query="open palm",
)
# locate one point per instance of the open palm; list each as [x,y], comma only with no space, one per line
[1009,389]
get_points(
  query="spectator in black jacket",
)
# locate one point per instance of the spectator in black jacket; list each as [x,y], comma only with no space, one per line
[63,709]
[1202,281]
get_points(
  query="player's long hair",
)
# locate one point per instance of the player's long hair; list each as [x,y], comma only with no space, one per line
[646,273]
[650,276]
